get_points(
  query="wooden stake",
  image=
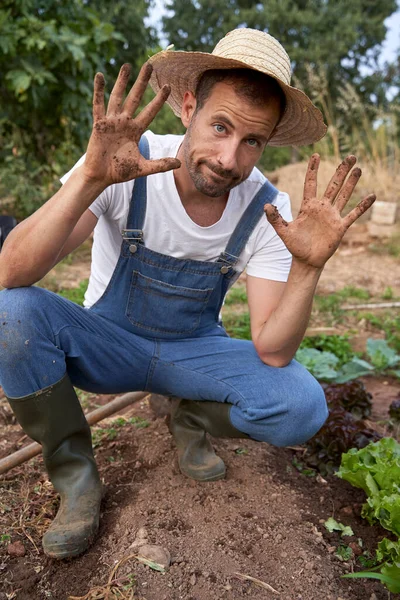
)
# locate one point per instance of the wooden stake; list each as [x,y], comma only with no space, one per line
[25,454]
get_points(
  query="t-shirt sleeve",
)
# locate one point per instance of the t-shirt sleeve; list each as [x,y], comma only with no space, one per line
[102,202]
[271,259]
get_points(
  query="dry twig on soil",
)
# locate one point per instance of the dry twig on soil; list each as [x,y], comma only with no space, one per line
[116,589]
[29,510]
[258,582]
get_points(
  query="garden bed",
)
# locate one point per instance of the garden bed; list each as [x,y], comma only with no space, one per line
[266,521]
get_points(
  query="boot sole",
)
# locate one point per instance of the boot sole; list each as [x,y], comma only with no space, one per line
[211,477]
[62,551]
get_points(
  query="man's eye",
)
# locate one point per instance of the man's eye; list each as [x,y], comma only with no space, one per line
[219,128]
[252,142]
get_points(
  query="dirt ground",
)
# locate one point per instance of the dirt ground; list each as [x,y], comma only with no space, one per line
[264,521]
[258,534]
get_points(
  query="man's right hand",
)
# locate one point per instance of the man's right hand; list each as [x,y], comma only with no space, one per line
[113,154]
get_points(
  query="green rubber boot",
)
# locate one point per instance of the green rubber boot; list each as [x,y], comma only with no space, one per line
[189,424]
[54,418]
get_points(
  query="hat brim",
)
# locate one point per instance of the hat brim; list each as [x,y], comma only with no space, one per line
[301,124]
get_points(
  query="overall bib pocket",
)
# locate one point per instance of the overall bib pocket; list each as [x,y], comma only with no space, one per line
[160,307]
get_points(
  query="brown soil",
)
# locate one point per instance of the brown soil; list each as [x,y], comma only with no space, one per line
[358,267]
[265,521]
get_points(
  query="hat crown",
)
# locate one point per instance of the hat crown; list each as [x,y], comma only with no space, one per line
[258,50]
[302,123]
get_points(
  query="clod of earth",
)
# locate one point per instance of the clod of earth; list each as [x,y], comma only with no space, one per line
[16,549]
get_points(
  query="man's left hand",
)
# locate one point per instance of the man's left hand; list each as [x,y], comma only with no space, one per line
[317,231]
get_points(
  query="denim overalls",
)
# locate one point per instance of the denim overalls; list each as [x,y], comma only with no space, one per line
[163,297]
[157,328]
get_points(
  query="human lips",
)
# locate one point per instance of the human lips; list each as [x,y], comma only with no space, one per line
[218,174]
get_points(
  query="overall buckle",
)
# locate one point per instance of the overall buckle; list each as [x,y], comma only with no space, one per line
[136,235]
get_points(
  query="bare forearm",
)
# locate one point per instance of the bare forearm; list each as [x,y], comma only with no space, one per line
[33,247]
[282,333]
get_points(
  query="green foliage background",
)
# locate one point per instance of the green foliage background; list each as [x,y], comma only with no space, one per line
[50,51]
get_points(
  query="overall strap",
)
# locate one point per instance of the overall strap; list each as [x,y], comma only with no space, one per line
[247,223]
[137,209]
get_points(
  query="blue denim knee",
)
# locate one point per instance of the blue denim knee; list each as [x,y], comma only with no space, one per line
[302,408]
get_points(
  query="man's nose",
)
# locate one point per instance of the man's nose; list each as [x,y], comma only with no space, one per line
[228,156]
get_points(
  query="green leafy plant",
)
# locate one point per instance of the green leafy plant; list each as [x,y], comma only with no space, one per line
[49,53]
[340,433]
[350,291]
[344,552]
[382,356]
[303,469]
[388,569]
[352,395]
[241,451]
[387,293]
[138,422]
[332,525]
[388,323]
[338,345]
[110,433]
[77,294]
[366,560]
[332,303]
[237,325]
[236,295]
[376,469]
[325,366]
[329,304]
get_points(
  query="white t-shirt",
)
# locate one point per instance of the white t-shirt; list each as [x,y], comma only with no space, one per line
[168,229]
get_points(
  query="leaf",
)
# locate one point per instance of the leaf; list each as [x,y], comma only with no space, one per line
[381,355]
[332,525]
[373,468]
[344,552]
[353,369]
[392,583]
[385,509]
[392,572]
[241,451]
[20,81]
[388,551]
[321,364]
[376,469]
[150,563]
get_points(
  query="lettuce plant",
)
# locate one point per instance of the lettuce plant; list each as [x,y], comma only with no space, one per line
[376,469]
[340,433]
[351,395]
[325,366]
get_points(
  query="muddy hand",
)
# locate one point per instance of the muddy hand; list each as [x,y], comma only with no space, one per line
[316,233]
[113,154]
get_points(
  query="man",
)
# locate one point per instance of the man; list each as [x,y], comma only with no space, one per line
[171,235]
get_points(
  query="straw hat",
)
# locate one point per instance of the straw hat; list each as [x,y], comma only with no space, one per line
[301,124]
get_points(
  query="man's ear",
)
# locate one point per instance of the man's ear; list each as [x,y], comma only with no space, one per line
[188,108]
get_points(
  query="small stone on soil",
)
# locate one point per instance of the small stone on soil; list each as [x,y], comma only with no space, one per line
[156,554]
